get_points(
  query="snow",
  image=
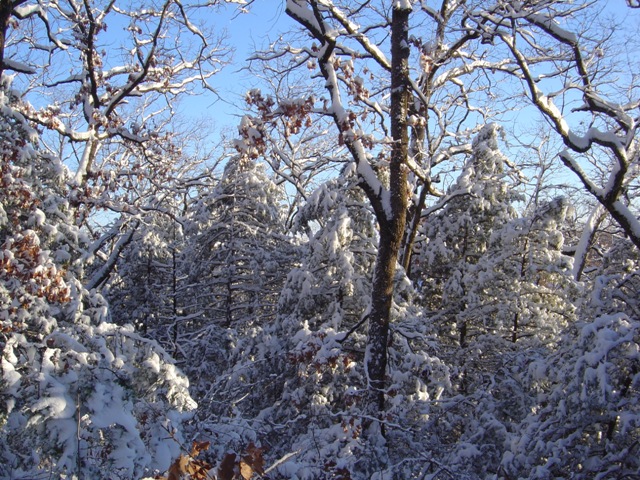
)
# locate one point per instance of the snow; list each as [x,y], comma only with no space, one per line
[29,10]
[109,408]
[297,9]
[585,239]
[583,143]
[552,26]
[10,377]
[633,221]
[153,363]
[18,66]
[61,256]
[402,5]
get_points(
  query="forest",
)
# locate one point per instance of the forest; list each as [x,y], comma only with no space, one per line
[415,254]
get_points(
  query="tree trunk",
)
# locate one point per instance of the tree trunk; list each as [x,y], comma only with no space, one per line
[390,205]
[6,7]
[392,223]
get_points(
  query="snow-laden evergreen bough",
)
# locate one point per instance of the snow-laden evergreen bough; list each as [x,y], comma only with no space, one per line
[79,396]
[587,422]
[234,266]
[89,401]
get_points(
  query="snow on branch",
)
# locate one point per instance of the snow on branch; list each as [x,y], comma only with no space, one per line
[296,9]
[8,64]
[354,31]
[617,141]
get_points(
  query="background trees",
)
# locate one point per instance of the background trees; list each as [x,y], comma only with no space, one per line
[79,395]
[459,56]
[111,78]
[81,131]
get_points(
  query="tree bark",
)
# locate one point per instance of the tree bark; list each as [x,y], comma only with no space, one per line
[6,7]
[392,223]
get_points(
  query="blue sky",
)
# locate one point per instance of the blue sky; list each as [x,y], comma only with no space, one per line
[246,32]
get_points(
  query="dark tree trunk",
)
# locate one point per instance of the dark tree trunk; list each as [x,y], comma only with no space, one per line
[392,223]
[6,7]
[390,206]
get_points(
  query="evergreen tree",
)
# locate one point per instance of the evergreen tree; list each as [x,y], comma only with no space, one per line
[146,287]
[524,289]
[458,233]
[78,396]
[501,293]
[240,248]
[235,263]
[585,424]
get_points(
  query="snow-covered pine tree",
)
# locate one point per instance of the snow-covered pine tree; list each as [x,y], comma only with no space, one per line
[320,333]
[523,289]
[453,241]
[457,231]
[78,396]
[502,295]
[235,264]
[146,287]
[586,424]
[520,299]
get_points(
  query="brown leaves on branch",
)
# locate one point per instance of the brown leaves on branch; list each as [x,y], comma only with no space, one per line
[22,259]
[26,269]
[232,467]
[250,464]
[253,129]
[293,111]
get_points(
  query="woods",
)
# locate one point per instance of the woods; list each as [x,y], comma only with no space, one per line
[416,256]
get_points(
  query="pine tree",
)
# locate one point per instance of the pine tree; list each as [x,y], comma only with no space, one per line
[586,421]
[234,263]
[501,294]
[588,391]
[146,289]
[524,289]
[458,233]
[79,396]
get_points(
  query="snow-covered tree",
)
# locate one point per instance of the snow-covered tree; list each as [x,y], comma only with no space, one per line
[596,123]
[524,286]
[304,374]
[234,264]
[585,423]
[406,87]
[240,249]
[458,230]
[109,80]
[36,251]
[146,289]
[79,396]
[501,295]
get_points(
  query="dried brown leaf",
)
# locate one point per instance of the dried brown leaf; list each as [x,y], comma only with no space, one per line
[246,471]
[227,467]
